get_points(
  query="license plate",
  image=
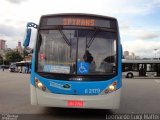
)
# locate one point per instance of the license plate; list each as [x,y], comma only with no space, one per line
[75,103]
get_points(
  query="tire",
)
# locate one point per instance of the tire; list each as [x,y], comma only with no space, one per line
[129,75]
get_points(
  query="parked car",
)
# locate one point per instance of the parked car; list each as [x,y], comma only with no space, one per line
[12,67]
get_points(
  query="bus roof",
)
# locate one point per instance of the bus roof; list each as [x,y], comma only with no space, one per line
[78,14]
[140,61]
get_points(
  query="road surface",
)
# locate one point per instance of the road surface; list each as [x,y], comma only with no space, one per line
[138,96]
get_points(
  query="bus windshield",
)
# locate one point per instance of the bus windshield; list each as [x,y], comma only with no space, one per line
[77,51]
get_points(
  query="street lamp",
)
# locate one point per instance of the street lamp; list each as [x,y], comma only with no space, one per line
[155,52]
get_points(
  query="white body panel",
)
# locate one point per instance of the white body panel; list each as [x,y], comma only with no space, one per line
[108,101]
[151,74]
[33,95]
[136,74]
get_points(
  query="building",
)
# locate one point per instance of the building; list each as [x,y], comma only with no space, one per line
[19,48]
[2,44]
[130,55]
[28,58]
[125,54]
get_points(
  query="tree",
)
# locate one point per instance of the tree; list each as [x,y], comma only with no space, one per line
[1,60]
[13,56]
[25,52]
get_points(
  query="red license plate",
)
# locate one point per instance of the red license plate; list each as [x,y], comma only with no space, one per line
[75,103]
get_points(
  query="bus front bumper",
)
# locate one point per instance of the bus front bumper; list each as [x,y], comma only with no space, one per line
[108,101]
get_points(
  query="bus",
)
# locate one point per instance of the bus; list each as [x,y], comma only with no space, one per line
[76,61]
[140,68]
[21,67]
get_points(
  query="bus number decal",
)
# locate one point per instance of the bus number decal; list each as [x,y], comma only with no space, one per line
[92,91]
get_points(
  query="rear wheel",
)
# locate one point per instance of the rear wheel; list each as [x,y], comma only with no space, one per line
[129,75]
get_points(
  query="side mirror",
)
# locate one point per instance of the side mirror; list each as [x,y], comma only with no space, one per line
[27,38]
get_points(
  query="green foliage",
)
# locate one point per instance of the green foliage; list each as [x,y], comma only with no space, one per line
[1,60]
[25,52]
[13,56]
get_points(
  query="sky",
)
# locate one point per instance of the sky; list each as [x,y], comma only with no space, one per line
[139,20]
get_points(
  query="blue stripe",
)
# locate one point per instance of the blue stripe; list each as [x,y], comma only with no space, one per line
[76,87]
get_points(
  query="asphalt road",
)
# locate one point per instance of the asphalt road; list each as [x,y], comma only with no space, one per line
[138,96]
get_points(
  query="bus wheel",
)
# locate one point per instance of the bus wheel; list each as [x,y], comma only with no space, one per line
[130,75]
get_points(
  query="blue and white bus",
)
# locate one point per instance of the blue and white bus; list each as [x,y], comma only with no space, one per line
[76,61]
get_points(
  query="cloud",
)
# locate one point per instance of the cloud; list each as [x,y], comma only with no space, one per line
[11,34]
[131,7]
[156,2]
[147,35]
[9,31]
[142,48]
[124,10]
[141,33]
[16,1]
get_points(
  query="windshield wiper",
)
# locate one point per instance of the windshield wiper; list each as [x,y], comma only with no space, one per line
[64,37]
[92,38]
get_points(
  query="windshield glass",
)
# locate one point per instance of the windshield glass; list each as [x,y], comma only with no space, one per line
[85,52]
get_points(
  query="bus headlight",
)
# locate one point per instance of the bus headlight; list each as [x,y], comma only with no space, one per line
[111,87]
[39,85]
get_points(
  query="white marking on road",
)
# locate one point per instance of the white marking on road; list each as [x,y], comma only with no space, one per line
[157,81]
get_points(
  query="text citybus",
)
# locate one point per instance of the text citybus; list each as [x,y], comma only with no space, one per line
[76,61]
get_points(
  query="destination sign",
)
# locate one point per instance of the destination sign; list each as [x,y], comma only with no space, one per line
[78,21]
